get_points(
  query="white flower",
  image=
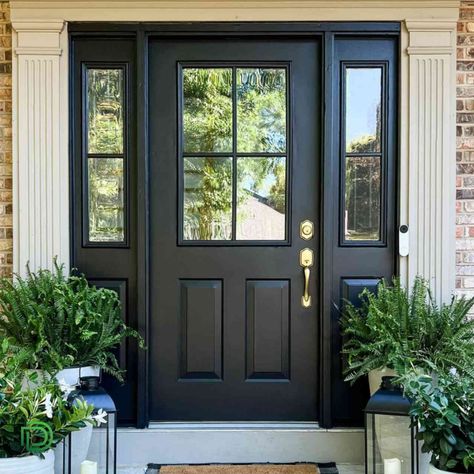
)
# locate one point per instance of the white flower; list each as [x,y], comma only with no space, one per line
[48,405]
[453,371]
[65,388]
[100,417]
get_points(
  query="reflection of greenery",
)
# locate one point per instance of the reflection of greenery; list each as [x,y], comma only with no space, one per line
[364,144]
[363,197]
[208,198]
[207,122]
[105,114]
[261,110]
[362,190]
[207,111]
[106,199]
[252,174]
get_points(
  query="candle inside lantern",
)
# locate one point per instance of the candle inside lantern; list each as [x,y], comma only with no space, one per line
[88,467]
[391,466]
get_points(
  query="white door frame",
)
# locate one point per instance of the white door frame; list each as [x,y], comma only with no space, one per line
[426,169]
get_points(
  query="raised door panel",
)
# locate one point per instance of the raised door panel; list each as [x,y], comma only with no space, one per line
[268,329]
[201,329]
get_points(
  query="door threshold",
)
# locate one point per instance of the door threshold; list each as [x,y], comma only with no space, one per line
[234,425]
[231,443]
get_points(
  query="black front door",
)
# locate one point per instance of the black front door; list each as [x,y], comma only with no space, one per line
[198,150]
[234,170]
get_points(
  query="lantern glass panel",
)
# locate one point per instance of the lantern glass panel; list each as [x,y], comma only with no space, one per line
[389,444]
[103,449]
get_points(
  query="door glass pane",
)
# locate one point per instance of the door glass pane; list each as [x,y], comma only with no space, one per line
[261,110]
[207,198]
[362,199]
[363,109]
[105,110]
[261,198]
[207,110]
[106,199]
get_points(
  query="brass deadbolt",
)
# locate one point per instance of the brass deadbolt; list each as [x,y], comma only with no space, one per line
[306,230]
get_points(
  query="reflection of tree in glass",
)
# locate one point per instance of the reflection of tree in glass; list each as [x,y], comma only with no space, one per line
[261,110]
[362,193]
[105,110]
[106,209]
[207,123]
[207,198]
[207,109]
[254,175]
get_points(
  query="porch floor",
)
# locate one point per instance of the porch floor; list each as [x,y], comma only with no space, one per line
[343,469]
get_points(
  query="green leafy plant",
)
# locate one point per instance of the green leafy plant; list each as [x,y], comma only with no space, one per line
[23,402]
[398,329]
[443,411]
[63,321]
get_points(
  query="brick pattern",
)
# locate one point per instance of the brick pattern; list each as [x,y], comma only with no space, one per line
[465,151]
[6,218]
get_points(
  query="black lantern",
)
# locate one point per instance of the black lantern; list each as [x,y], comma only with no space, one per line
[103,448]
[390,440]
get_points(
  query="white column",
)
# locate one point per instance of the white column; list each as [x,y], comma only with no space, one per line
[40,144]
[431,153]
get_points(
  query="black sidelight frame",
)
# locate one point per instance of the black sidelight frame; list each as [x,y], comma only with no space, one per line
[133,267]
[86,155]
[382,154]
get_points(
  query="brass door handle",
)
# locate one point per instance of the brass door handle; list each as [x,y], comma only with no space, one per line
[306,261]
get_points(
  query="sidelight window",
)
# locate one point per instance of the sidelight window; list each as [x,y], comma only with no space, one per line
[363,157]
[105,160]
[233,154]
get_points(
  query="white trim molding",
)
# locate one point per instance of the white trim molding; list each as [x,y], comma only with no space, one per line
[234,10]
[40,147]
[431,96]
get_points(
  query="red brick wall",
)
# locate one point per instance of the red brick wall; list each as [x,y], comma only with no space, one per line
[465,151]
[6,238]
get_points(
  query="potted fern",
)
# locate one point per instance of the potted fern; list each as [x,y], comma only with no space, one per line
[24,410]
[71,327]
[396,329]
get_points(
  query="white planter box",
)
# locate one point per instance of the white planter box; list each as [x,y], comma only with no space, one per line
[72,375]
[28,464]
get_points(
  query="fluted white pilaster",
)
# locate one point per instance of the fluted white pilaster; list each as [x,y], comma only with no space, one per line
[431,153]
[41,175]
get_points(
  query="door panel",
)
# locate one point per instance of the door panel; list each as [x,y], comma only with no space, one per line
[363,189]
[226,206]
[268,330]
[201,329]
